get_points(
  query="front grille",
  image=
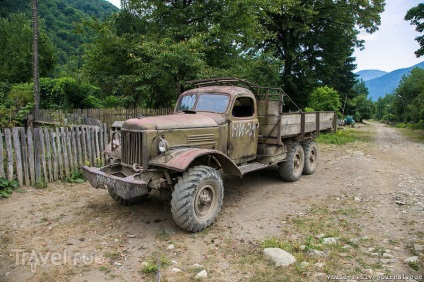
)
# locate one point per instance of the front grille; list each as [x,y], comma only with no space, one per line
[131,147]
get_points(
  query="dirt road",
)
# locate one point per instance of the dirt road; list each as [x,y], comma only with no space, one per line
[369,196]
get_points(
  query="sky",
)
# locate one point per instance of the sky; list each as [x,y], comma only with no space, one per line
[389,48]
[393,45]
[117,3]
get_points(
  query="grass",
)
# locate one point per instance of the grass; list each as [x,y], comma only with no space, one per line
[339,138]
[416,135]
[155,262]
[346,135]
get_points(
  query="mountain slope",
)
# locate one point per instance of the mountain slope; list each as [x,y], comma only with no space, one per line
[386,84]
[370,74]
[58,17]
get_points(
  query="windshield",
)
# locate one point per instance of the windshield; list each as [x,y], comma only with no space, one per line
[204,102]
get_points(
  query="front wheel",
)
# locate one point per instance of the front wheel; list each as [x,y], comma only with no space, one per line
[311,157]
[291,169]
[197,198]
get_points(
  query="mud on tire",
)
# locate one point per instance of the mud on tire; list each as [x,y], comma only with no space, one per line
[291,169]
[197,198]
[311,157]
[124,202]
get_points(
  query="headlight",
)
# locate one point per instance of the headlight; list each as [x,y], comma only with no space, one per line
[162,145]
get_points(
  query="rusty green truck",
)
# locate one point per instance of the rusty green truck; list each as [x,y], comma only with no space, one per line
[217,128]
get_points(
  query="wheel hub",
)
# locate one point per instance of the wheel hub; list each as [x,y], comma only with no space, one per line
[296,162]
[312,157]
[204,201]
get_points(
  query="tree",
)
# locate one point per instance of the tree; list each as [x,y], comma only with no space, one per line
[35,54]
[314,38]
[147,52]
[408,101]
[325,99]
[349,101]
[363,107]
[16,51]
[416,16]
[300,44]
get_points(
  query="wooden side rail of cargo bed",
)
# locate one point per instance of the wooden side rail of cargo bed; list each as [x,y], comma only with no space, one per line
[274,128]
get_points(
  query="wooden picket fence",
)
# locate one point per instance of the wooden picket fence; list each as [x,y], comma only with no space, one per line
[97,116]
[49,154]
[109,116]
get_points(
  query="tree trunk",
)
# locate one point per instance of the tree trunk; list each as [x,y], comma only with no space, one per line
[35,60]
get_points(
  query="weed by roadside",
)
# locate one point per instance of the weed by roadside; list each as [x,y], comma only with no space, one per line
[416,135]
[7,187]
[76,177]
[345,135]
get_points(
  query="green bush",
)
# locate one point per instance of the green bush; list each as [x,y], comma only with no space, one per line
[67,93]
[112,102]
[22,93]
[7,187]
[13,115]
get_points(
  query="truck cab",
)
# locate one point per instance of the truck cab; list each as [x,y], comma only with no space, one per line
[234,111]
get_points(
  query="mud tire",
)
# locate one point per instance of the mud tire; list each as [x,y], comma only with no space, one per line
[291,169]
[197,198]
[310,149]
[124,202]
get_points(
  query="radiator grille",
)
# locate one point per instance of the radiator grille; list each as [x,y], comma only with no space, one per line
[131,148]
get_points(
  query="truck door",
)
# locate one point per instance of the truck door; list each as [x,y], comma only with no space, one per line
[243,130]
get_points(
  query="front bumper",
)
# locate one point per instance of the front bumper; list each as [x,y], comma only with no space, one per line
[125,187]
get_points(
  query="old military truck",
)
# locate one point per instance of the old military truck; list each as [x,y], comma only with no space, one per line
[217,127]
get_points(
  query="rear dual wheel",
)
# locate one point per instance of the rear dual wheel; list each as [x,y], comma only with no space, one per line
[291,169]
[301,159]
[311,157]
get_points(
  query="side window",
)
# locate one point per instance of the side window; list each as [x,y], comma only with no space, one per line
[243,107]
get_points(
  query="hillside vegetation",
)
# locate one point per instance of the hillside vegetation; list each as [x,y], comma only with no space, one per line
[59,19]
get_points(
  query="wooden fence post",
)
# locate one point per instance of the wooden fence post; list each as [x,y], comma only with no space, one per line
[74,147]
[43,156]
[31,153]
[18,155]
[65,151]
[1,156]
[37,154]
[59,152]
[25,163]
[54,156]
[48,154]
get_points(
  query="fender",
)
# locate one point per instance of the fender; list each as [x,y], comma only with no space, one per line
[180,160]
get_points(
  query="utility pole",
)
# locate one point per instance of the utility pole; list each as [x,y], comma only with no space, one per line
[35,59]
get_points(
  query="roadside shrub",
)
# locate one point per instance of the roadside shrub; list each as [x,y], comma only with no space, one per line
[7,187]
[67,93]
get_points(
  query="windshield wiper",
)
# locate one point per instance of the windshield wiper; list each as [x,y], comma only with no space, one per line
[189,111]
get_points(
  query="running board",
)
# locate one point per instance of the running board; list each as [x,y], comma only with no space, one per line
[251,167]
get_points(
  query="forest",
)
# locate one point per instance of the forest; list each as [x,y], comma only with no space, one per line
[93,55]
